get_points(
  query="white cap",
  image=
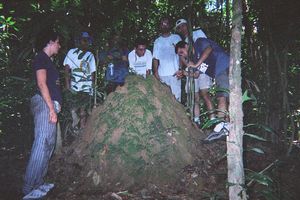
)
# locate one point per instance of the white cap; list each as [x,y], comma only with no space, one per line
[180,21]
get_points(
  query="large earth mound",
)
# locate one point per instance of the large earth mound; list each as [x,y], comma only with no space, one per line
[141,135]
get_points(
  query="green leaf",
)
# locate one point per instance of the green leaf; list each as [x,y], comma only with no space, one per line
[222,90]
[16,29]
[255,137]
[259,178]
[246,97]
[11,23]
[264,127]
[18,78]
[257,150]
[211,122]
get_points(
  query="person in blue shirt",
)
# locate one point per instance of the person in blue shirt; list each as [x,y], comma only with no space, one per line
[116,60]
[45,105]
[209,58]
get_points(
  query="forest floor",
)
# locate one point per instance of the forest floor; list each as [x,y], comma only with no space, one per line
[15,151]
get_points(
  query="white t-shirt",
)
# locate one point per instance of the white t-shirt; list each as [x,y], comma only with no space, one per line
[164,51]
[196,34]
[140,65]
[81,69]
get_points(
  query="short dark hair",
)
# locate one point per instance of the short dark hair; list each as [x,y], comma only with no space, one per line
[140,41]
[165,17]
[180,44]
[45,37]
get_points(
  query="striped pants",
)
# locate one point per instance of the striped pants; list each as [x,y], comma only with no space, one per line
[43,145]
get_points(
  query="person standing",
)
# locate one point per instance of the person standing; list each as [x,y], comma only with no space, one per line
[165,60]
[80,68]
[45,105]
[214,62]
[140,59]
[204,82]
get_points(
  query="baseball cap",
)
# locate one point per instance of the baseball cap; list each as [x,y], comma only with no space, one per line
[179,22]
[86,35]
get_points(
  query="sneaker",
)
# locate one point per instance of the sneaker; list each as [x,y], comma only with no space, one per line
[46,187]
[35,194]
[217,135]
[197,122]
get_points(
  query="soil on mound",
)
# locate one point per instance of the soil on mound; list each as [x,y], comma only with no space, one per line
[140,136]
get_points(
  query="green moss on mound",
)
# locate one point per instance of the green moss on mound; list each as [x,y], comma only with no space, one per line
[140,135]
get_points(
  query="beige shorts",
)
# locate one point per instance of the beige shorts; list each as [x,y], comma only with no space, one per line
[202,82]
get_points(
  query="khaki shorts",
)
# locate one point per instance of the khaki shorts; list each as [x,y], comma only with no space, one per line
[202,82]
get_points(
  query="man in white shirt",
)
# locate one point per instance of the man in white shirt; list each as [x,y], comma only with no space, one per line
[140,59]
[80,67]
[165,60]
[81,63]
[203,83]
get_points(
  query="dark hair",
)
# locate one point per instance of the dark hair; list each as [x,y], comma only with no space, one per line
[165,17]
[44,38]
[180,44]
[140,41]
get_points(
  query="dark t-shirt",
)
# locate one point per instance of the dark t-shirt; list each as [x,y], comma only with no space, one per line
[117,54]
[42,61]
[218,59]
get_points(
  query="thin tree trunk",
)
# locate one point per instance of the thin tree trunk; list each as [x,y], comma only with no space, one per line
[236,177]
[227,13]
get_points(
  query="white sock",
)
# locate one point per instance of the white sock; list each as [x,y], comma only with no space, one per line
[196,119]
[219,126]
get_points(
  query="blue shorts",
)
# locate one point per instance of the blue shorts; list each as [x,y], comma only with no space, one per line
[222,83]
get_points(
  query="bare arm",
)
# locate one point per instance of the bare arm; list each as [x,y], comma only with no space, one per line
[155,68]
[41,75]
[203,57]
[182,61]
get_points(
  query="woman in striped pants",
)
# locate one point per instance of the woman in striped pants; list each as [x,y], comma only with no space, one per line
[45,105]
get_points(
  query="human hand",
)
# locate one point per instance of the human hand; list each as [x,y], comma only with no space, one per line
[196,74]
[52,116]
[179,74]
[191,64]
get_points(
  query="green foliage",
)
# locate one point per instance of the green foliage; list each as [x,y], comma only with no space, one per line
[257,150]
[246,97]
[255,137]
[267,185]
[267,40]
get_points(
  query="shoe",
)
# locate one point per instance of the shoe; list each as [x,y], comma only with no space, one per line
[35,194]
[197,122]
[217,135]
[46,187]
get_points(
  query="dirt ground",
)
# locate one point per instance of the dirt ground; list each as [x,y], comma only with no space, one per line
[15,150]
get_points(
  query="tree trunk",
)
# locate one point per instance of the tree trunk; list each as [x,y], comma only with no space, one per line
[236,177]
